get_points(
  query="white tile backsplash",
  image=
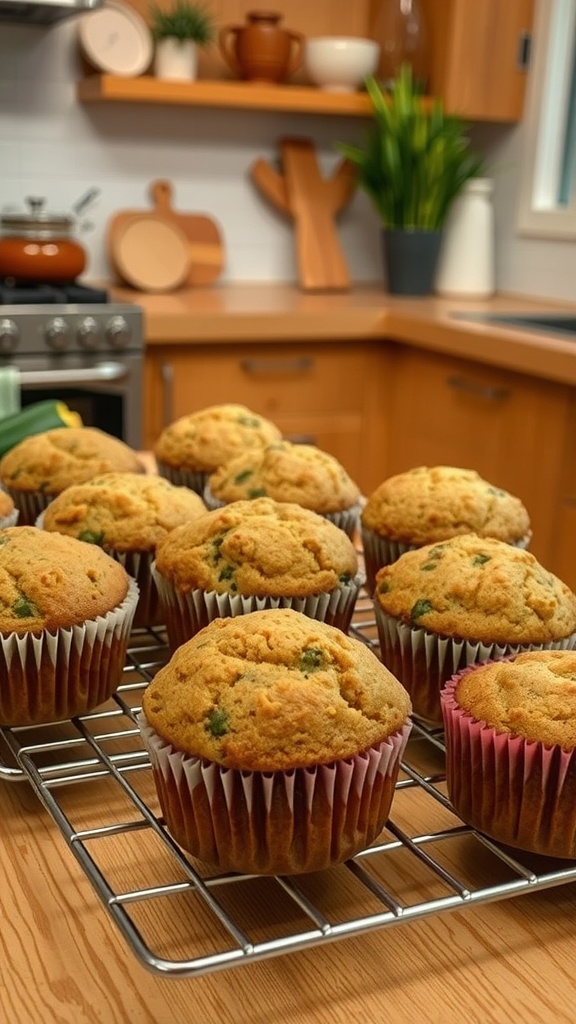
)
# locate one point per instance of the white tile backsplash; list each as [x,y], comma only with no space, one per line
[53,146]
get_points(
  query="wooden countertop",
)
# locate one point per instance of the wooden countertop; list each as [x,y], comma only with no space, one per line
[263,313]
[63,960]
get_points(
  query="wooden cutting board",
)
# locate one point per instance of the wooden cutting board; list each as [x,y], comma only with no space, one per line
[206,256]
[149,253]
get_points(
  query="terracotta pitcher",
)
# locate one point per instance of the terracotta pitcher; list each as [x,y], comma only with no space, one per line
[261,50]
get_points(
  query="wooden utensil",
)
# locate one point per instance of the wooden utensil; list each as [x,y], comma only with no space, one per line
[205,247]
[313,202]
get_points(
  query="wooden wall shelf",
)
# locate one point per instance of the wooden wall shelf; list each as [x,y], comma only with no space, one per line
[300,99]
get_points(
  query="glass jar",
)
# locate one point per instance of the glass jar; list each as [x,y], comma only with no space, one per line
[400,28]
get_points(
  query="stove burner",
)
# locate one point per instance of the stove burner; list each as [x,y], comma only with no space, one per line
[31,293]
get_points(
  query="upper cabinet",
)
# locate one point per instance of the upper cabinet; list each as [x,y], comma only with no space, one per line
[479,56]
[477,52]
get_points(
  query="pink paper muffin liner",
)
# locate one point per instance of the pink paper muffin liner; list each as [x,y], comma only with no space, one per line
[517,792]
[379,551]
[347,519]
[285,822]
[48,677]
[423,661]
[195,480]
[186,614]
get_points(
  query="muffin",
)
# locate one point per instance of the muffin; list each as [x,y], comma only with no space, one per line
[251,555]
[430,503]
[195,445]
[8,511]
[66,610]
[284,471]
[126,514]
[510,750]
[41,466]
[275,743]
[444,606]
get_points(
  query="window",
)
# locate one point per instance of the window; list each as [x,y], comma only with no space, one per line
[548,190]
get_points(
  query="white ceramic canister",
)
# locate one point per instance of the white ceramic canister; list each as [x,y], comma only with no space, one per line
[466,262]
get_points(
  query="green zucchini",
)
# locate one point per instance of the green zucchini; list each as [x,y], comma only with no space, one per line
[34,419]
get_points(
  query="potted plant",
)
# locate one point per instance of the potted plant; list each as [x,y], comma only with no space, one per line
[177,32]
[415,162]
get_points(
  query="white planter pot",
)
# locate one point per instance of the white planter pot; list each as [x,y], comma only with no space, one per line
[176,59]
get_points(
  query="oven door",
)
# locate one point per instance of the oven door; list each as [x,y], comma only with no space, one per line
[106,391]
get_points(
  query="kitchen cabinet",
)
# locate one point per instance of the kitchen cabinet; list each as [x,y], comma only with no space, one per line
[333,395]
[476,65]
[479,55]
[508,426]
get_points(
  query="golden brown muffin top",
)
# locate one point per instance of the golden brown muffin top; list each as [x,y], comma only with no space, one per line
[274,690]
[477,588]
[430,503]
[260,547]
[55,459]
[122,511]
[290,472]
[206,439]
[48,581]
[533,695]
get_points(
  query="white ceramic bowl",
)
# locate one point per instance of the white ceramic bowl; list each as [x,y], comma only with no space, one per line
[340,63]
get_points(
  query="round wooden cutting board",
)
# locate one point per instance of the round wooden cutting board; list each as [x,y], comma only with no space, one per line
[150,252]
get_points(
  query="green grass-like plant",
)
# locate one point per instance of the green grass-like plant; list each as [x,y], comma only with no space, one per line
[184,20]
[416,159]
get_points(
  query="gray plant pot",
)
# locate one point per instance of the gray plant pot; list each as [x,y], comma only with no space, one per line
[410,260]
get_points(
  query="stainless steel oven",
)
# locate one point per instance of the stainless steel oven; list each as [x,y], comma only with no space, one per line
[87,354]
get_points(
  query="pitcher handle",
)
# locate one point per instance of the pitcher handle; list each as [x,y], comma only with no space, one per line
[227,40]
[296,51]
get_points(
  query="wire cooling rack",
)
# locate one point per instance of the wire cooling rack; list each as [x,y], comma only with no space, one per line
[93,776]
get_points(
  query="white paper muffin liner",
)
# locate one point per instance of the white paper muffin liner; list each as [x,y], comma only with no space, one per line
[10,520]
[347,519]
[48,677]
[186,614]
[423,661]
[519,792]
[195,480]
[285,822]
[380,551]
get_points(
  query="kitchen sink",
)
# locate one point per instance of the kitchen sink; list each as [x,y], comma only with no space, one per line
[548,323]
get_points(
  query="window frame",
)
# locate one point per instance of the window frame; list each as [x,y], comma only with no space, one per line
[548,96]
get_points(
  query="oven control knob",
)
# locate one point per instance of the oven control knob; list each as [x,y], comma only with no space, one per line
[57,334]
[118,332]
[87,333]
[9,335]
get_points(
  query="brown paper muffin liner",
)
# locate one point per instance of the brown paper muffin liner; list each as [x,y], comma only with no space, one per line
[195,480]
[30,504]
[285,822]
[423,661]
[48,677]
[347,519]
[186,614]
[515,791]
[380,551]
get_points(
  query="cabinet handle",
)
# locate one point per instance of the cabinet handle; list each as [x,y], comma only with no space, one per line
[523,51]
[472,387]
[167,376]
[298,365]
